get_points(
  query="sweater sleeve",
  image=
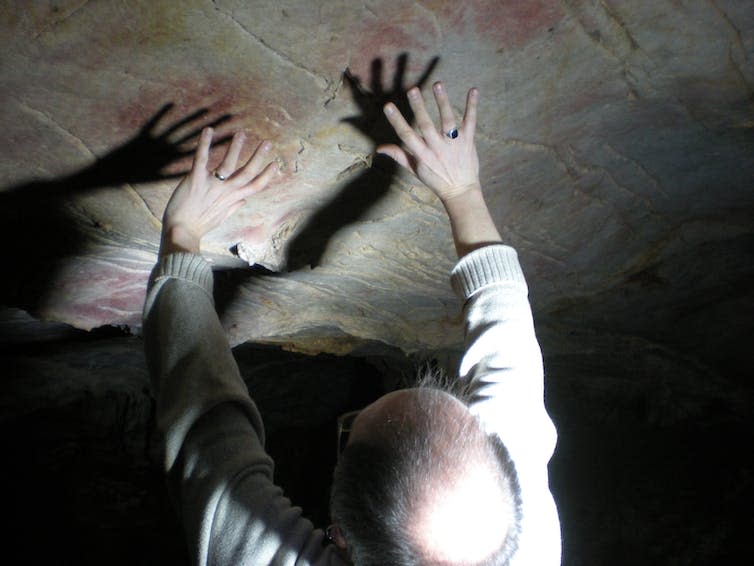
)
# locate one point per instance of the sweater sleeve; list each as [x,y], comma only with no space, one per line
[502,364]
[211,432]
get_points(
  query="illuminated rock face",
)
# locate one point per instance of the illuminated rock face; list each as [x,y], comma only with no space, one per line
[615,141]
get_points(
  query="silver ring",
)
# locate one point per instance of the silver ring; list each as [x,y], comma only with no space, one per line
[452,133]
[219,177]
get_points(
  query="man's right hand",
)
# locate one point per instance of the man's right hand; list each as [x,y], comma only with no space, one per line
[447,163]
[449,166]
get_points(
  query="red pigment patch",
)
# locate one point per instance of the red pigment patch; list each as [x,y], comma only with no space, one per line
[217,96]
[250,235]
[97,291]
[517,22]
[386,38]
[249,107]
[512,23]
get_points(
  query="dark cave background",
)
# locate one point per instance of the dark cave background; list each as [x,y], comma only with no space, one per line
[653,463]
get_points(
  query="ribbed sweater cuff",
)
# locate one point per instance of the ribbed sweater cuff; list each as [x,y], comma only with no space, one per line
[186,266]
[190,267]
[487,265]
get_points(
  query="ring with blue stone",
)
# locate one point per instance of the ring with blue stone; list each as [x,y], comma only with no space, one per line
[452,133]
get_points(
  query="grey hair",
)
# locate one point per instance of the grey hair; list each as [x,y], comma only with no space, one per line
[430,377]
[375,485]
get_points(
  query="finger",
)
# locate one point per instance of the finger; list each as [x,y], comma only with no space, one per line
[219,142]
[216,123]
[254,165]
[232,209]
[405,132]
[398,155]
[230,160]
[469,117]
[261,181]
[202,151]
[427,127]
[447,119]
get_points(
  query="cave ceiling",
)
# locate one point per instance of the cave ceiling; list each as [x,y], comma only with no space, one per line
[616,143]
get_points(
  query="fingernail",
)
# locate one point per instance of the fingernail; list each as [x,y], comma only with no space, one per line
[437,86]
[208,131]
[414,93]
[389,109]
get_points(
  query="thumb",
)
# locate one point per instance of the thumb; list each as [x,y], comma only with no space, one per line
[398,154]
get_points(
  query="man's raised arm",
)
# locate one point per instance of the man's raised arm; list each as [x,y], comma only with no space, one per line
[502,363]
[210,430]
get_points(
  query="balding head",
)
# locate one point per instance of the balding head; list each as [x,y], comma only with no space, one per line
[421,483]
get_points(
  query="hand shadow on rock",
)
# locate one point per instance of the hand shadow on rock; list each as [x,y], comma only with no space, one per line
[41,221]
[355,199]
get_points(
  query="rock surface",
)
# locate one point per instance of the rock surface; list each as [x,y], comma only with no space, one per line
[615,139]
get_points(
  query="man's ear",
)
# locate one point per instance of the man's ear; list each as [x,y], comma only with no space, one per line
[336,536]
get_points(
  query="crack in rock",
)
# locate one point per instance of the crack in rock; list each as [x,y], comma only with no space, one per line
[48,120]
[326,82]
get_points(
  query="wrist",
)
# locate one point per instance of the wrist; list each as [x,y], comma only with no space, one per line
[179,238]
[470,220]
[460,194]
[467,208]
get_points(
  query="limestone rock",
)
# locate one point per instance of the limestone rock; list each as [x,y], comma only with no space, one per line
[615,141]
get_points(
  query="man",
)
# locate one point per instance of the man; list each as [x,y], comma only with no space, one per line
[427,477]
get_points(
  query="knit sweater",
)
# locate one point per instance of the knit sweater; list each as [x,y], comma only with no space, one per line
[212,434]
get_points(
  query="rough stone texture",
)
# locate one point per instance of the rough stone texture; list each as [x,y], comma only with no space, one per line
[615,141]
[617,157]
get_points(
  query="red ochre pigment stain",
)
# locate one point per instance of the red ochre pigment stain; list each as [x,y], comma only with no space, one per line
[256,234]
[515,24]
[510,23]
[125,296]
[246,106]
[184,101]
[404,31]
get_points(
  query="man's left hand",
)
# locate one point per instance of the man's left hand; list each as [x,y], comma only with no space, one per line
[204,199]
